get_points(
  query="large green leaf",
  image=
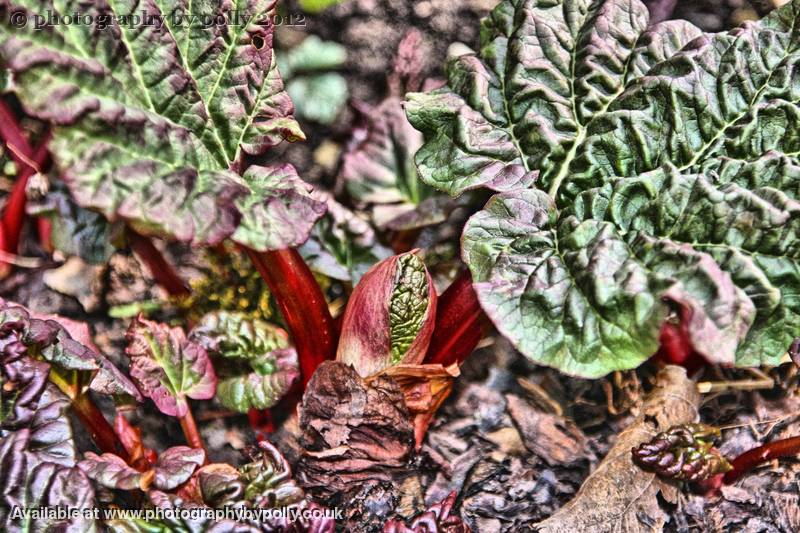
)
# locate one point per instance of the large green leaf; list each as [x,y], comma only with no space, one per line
[520,108]
[154,120]
[668,181]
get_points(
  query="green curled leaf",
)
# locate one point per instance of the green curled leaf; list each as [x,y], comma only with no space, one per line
[268,364]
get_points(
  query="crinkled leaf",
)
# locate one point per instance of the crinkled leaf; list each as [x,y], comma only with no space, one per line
[37,469]
[75,231]
[342,245]
[108,379]
[167,367]
[280,212]
[67,345]
[174,467]
[670,161]
[261,347]
[111,471]
[153,120]
[22,381]
[521,106]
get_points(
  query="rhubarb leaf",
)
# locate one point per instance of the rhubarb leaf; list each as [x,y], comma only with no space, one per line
[113,472]
[545,70]
[168,367]
[270,365]
[37,469]
[378,166]
[173,467]
[670,164]
[153,121]
[62,342]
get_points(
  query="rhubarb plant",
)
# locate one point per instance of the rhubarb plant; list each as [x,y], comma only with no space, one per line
[154,122]
[644,174]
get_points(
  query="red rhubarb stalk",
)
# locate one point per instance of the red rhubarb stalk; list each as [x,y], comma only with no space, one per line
[460,323]
[29,162]
[14,213]
[100,430]
[302,305]
[161,270]
[766,452]
[190,432]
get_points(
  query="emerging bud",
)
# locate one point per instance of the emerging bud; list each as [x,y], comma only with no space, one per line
[684,452]
[390,316]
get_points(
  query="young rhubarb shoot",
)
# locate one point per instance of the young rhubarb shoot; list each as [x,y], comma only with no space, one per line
[390,316]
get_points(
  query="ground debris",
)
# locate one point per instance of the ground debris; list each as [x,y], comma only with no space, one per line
[619,495]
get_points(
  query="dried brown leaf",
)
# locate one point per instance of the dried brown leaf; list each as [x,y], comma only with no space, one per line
[618,495]
[554,438]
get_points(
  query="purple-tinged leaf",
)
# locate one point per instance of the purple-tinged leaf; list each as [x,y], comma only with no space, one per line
[176,465]
[113,472]
[22,381]
[50,438]
[167,367]
[173,467]
[109,379]
[389,317]
[155,120]
[378,168]
[37,469]
[279,212]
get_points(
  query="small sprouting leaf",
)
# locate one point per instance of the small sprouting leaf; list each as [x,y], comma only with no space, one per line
[683,452]
[167,367]
[113,472]
[261,347]
[155,120]
[378,166]
[389,317]
[174,467]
